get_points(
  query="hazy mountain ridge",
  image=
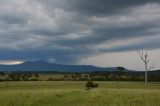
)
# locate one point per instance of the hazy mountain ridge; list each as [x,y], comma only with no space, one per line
[45,66]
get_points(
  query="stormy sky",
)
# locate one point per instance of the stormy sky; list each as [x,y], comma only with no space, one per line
[98,32]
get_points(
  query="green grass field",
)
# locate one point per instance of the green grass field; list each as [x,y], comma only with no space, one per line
[73,93]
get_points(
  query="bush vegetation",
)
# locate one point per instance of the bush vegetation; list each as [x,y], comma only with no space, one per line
[90,84]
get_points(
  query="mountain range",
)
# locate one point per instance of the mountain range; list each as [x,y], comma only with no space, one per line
[45,66]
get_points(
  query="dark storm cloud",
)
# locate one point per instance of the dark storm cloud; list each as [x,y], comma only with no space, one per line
[69,30]
[102,35]
[104,7]
[97,7]
[135,47]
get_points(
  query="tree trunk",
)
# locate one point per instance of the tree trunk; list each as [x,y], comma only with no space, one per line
[146,79]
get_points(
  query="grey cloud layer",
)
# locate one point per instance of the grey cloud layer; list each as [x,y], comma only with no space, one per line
[69,30]
[96,7]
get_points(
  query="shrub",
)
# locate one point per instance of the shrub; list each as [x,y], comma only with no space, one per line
[90,85]
[96,85]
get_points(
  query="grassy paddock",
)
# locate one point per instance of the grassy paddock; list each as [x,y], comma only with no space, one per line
[73,93]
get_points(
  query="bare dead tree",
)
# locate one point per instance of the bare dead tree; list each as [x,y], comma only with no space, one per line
[144,58]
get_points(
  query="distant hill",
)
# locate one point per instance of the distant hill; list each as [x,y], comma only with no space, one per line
[45,66]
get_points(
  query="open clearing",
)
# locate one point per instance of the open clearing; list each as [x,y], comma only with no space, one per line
[73,93]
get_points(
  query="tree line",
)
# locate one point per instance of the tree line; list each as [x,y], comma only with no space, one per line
[18,76]
[120,74]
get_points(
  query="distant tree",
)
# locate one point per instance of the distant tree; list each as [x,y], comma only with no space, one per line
[119,73]
[2,74]
[78,76]
[86,76]
[107,75]
[66,77]
[36,75]
[27,76]
[112,77]
[14,76]
[50,79]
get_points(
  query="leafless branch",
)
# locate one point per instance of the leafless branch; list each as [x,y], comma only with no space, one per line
[141,54]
